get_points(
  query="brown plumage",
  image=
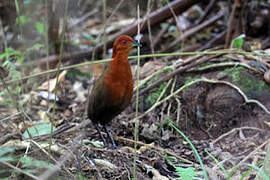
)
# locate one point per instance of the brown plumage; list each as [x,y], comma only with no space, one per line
[113,91]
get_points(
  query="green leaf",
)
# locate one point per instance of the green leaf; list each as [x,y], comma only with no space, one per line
[5,150]
[40,27]
[172,29]
[3,55]
[35,47]
[193,148]
[10,52]
[20,60]
[88,36]
[239,41]
[21,20]
[220,165]
[6,159]
[186,173]
[29,162]
[170,158]
[260,171]
[80,176]
[38,130]
[76,72]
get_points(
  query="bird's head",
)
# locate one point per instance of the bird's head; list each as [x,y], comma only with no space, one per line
[123,44]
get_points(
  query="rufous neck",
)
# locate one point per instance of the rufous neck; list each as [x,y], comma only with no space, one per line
[120,57]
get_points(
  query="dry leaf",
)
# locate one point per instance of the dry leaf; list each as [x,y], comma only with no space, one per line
[43,115]
[158,176]
[98,69]
[51,84]
[150,67]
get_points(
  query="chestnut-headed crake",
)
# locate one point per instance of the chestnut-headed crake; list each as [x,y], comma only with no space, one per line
[113,90]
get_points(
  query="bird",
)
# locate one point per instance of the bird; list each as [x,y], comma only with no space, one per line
[113,90]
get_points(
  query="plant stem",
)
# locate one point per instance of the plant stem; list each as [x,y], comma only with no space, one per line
[137,98]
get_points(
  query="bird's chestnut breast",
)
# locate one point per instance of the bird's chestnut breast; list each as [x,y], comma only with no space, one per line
[119,82]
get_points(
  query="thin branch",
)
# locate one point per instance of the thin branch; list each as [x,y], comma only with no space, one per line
[58,70]
[67,156]
[230,26]
[246,99]
[156,148]
[81,19]
[149,7]
[206,11]
[19,170]
[161,33]
[219,52]
[177,71]
[234,130]
[250,154]
[209,44]
[194,30]
[100,45]
[160,15]
[208,81]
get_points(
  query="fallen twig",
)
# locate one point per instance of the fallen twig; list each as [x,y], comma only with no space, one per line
[234,130]
[209,81]
[212,41]
[156,148]
[194,30]
[81,19]
[178,71]
[19,170]
[249,155]
[160,15]
[206,11]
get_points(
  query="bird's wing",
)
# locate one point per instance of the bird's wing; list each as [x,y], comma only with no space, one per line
[99,100]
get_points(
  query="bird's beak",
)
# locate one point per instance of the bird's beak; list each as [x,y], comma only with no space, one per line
[136,44]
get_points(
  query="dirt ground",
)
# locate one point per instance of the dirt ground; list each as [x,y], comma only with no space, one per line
[225,127]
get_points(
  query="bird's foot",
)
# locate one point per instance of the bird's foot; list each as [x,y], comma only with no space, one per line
[114,146]
[101,135]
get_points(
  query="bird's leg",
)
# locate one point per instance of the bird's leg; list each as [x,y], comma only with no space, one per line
[90,160]
[110,136]
[102,137]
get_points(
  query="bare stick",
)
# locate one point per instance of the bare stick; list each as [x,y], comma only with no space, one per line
[156,148]
[234,130]
[177,71]
[160,15]
[19,170]
[194,30]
